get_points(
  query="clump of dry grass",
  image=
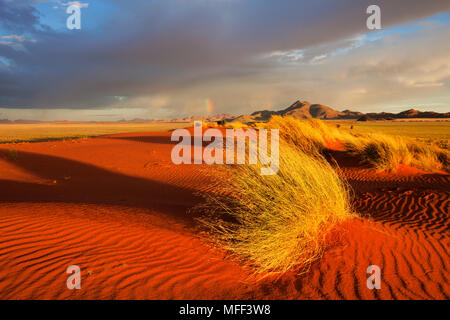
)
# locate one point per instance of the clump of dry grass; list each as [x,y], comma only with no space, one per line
[384,152]
[310,135]
[306,135]
[387,153]
[277,223]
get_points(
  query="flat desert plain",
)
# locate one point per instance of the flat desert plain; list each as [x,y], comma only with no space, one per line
[116,206]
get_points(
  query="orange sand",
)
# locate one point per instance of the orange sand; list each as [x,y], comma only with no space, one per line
[116,206]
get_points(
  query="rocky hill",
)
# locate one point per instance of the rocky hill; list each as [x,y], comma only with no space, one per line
[306,110]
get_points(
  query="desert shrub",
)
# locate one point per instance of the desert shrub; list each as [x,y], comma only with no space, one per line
[277,223]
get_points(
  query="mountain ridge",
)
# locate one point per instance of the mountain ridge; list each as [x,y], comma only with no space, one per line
[305,110]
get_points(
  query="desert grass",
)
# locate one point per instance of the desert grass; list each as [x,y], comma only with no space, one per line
[388,153]
[311,135]
[306,136]
[277,223]
[430,130]
[382,151]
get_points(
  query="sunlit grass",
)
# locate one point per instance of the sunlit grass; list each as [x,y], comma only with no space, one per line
[386,152]
[57,131]
[277,223]
[423,130]
[382,151]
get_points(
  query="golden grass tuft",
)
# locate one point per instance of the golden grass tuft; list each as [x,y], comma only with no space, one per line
[387,153]
[277,223]
[310,136]
[383,152]
[304,135]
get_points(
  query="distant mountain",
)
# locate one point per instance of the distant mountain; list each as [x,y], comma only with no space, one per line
[348,114]
[301,110]
[409,114]
[365,118]
[306,110]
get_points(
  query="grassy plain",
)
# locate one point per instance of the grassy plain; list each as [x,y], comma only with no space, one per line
[64,131]
[419,129]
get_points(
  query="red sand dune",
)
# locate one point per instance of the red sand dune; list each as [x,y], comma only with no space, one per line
[116,206]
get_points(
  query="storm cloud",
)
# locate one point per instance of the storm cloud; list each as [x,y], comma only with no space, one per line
[166,56]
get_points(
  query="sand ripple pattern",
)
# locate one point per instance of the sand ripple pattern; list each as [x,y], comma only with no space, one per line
[118,259]
[116,206]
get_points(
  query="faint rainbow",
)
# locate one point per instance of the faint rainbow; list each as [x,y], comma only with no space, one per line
[209,104]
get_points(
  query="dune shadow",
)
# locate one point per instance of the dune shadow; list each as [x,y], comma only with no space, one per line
[344,159]
[157,139]
[145,139]
[70,181]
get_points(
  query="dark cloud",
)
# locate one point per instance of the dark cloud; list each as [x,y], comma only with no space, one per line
[158,47]
[18,16]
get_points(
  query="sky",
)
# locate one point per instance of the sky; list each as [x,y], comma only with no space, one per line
[158,59]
